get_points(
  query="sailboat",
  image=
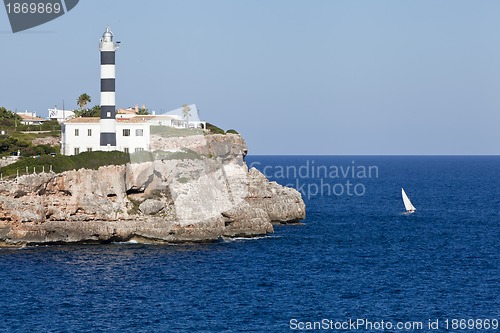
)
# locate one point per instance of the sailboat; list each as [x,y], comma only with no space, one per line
[408,205]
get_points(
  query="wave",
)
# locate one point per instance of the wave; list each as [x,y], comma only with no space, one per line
[240,239]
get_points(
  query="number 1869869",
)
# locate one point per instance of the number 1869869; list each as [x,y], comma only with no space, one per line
[33,8]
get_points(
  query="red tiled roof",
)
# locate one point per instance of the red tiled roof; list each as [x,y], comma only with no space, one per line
[82,120]
[30,118]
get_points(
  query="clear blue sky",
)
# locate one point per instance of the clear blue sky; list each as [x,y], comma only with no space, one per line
[294,77]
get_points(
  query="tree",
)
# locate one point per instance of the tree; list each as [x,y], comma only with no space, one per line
[185,111]
[95,111]
[8,118]
[83,100]
[143,112]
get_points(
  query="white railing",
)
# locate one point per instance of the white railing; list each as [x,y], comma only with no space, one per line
[28,171]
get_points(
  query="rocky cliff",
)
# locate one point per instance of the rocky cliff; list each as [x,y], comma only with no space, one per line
[200,194]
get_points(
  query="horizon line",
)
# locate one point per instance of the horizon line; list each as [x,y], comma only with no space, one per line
[388,155]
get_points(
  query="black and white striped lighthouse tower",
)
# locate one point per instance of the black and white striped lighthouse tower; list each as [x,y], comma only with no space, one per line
[108,111]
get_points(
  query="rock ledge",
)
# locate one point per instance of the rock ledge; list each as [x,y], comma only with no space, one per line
[189,200]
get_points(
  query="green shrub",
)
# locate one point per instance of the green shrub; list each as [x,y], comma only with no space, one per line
[141,157]
[51,125]
[232,131]
[60,163]
[170,132]
[214,129]
[185,154]
[8,118]
[134,209]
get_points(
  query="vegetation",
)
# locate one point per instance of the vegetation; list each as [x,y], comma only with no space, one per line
[214,129]
[141,157]
[60,163]
[52,126]
[170,132]
[185,154]
[146,156]
[95,112]
[83,100]
[11,145]
[134,210]
[8,118]
[143,112]
[11,122]
[90,160]
[186,113]
[17,138]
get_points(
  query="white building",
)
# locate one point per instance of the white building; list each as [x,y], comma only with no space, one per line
[30,118]
[174,118]
[60,115]
[26,113]
[163,120]
[191,121]
[83,134]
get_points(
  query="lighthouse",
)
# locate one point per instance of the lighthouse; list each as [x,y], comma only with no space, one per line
[108,111]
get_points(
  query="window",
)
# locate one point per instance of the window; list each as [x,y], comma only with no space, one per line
[126,132]
[89,132]
[77,151]
[77,132]
[139,132]
[126,150]
[89,149]
[139,149]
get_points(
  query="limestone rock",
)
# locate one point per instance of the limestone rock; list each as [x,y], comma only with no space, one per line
[151,207]
[172,200]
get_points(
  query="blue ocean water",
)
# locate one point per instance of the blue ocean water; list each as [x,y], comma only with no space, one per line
[355,257]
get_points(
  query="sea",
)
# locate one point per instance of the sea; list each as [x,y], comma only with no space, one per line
[357,263]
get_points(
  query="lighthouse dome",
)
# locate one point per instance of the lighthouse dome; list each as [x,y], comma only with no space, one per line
[107,36]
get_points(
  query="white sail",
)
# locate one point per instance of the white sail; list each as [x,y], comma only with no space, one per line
[409,207]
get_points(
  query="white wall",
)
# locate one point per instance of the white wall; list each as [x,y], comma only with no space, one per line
[133,141]
[83,141]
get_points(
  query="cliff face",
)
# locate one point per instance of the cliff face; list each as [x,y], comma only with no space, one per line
[198,198]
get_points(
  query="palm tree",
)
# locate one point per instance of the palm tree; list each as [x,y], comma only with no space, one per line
[185,111]
[83,100]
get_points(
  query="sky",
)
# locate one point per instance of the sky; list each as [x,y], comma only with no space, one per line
[351,77]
